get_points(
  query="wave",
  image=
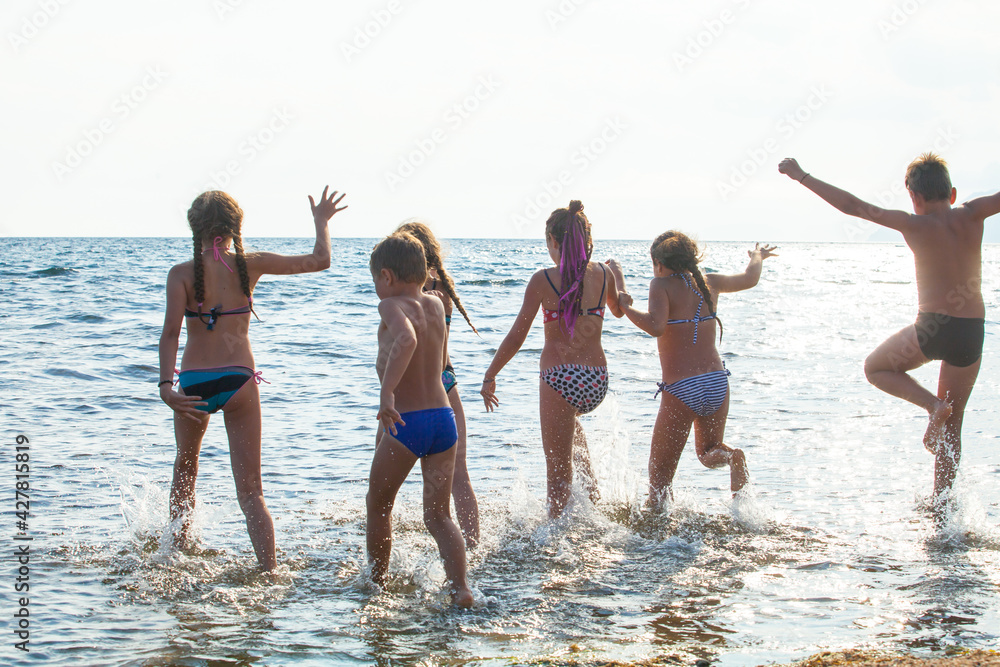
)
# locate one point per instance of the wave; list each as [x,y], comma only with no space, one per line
[53,271]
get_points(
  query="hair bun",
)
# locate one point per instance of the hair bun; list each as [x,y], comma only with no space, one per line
[575,207]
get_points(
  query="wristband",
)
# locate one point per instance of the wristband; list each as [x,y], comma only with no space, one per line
[485,380]
[163,382]
[803,178]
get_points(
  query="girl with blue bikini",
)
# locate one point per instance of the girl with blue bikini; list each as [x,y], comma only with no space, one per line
[574,371]
[217,369]
[695,384]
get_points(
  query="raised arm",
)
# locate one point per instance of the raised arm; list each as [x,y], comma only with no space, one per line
[738,282]
[513,341]
[984,207]
[404,343]
[172,322]
[318,259]
[844,201]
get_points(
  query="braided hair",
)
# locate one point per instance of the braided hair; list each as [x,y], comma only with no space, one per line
[571,230]
[678,252]
[432,250]
[215,213]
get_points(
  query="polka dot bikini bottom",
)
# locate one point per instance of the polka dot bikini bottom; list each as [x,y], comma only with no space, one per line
[583,387]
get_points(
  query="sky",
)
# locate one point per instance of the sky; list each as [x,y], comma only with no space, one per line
[481,118]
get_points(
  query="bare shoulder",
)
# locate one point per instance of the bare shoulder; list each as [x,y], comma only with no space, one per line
[183,271]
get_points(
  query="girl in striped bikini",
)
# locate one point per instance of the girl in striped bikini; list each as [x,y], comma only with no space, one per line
[574,371]
[695,384]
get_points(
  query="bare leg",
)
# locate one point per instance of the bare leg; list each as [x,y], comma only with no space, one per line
[709,432]
[242,414]
[955,385]
[390,466]
[466,504]
[558,421]
[438,471]
[670,434]
[188,435]
[581,460]
[887,368]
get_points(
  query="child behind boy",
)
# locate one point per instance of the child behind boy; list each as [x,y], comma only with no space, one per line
[411,340]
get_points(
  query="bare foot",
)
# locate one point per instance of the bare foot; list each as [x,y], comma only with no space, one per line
[738,473]
[934,435]
[463,598]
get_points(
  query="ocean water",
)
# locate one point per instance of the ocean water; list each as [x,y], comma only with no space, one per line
[834,544]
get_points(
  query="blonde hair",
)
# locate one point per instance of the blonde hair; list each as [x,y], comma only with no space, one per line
[432,250]
[928,176]
[402,254]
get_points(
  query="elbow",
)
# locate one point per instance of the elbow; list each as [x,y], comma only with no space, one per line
[322,262]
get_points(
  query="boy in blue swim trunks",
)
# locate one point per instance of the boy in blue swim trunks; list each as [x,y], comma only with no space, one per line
[947,251]
[416,419]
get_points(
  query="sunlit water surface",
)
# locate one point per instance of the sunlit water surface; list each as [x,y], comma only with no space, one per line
[834,545]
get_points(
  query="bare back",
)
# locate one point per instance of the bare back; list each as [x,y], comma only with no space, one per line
[420,387]
[947,253]
[584,347]
[681,356]
[227,343]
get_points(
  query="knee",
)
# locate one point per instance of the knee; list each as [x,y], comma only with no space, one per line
[435,518]
[871,368]
[250,500]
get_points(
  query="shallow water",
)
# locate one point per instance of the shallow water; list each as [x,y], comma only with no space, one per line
[834,544]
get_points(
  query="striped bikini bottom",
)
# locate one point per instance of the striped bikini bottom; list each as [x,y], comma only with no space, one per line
[702,394]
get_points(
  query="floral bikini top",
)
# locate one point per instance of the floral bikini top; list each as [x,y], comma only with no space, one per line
[553,315]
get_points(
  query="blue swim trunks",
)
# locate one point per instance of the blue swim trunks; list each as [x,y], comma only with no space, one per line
[428,431]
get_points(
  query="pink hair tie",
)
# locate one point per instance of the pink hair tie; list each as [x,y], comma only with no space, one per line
[217,254]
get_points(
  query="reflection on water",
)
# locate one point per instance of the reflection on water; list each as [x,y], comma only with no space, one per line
[833,545]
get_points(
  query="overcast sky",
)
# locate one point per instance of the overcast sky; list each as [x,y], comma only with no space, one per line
[483,117]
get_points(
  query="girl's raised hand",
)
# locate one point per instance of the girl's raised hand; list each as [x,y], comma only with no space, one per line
[488,392]
[765,252]
[327,206]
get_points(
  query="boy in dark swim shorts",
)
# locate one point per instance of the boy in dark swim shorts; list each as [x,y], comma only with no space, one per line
[947,251]
[416,418]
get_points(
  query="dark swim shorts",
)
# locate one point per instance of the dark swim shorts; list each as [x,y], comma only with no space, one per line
[954,340]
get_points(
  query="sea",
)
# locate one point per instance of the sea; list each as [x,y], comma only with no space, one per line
[835,543]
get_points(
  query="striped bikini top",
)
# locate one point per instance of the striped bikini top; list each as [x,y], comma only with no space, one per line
[697,313]
[553,315]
